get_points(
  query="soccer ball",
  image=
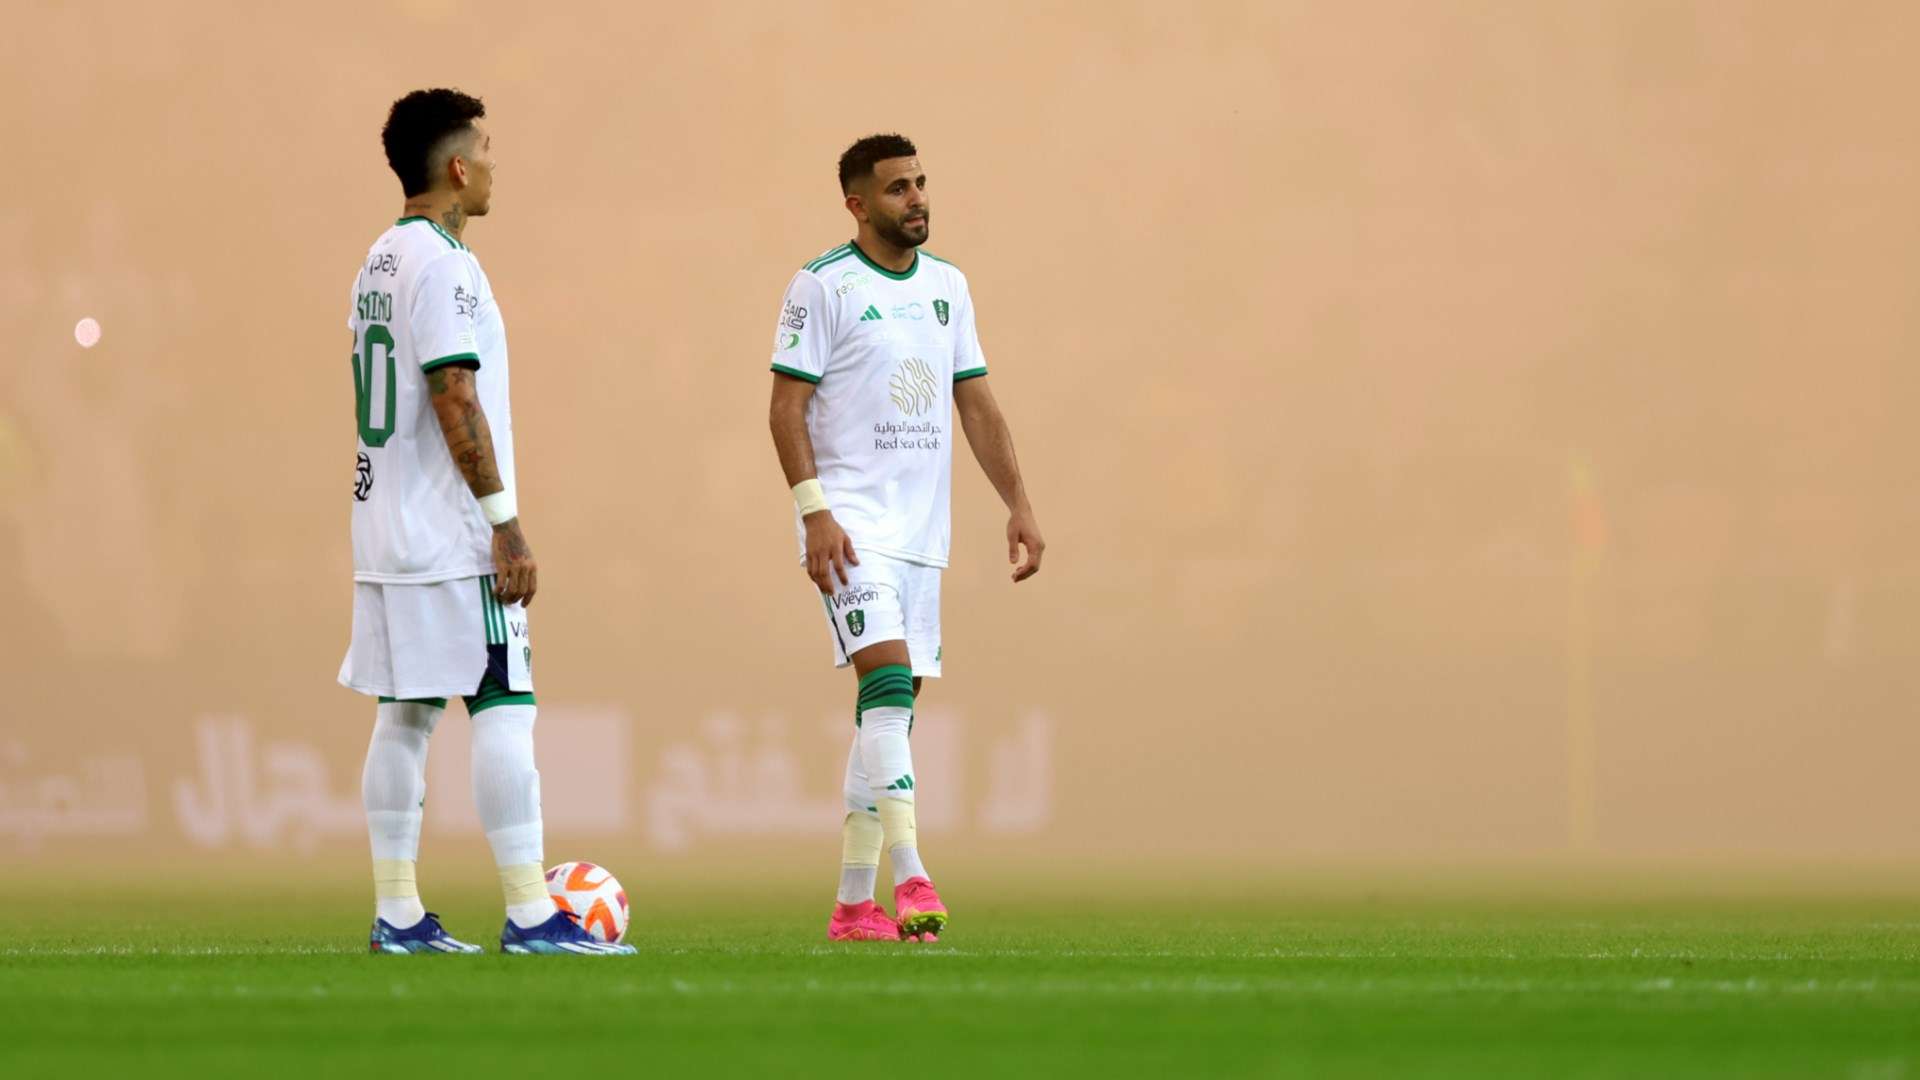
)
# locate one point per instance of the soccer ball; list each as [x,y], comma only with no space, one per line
[592,896]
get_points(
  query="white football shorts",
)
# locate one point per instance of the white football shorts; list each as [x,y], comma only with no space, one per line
[887,600]
[436,641]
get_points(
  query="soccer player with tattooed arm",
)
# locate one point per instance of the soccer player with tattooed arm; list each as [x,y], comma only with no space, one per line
[442,571]
[874,353]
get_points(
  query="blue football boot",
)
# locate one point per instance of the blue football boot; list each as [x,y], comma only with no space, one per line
[425,936]
[557,936]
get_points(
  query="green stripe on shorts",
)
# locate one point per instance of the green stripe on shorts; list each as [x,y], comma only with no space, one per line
[490,609]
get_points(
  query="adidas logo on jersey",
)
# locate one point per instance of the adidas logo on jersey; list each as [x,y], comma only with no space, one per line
[871,314]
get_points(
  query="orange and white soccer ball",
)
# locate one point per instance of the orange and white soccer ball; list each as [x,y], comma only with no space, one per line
[592,896]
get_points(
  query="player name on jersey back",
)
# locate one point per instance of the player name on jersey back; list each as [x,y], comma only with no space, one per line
[884,350]
[421,302]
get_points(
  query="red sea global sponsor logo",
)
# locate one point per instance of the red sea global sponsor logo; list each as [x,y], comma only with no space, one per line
[889,435]
[913,387]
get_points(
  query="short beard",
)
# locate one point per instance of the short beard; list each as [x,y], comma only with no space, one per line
[895,233]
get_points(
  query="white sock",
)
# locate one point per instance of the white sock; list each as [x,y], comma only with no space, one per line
[506,791]
[393,788]
[528,901]
[906,864]
[856,884]
[396,898]
[887,754]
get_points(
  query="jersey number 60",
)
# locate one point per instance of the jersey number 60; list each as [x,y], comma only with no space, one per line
[363,365]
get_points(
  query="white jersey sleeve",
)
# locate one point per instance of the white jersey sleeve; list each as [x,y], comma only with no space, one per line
[441,317]
[968,361]
[803,341]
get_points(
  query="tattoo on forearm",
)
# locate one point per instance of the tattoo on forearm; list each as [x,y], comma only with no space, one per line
[469,438]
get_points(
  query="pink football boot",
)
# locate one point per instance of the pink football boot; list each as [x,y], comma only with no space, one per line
[863,921]
[922,915]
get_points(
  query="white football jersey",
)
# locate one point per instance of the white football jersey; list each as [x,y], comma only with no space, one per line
[884,351]
[420,302]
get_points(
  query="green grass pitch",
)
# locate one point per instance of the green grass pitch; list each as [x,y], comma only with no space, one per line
[1066,982]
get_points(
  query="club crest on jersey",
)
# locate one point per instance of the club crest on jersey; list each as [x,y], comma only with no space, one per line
[362,477]
[940,311]
[856,622]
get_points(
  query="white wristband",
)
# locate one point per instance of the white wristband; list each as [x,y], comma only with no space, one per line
[499,508]
[809,496]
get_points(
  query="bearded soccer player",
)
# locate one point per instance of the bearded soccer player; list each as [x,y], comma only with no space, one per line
[874,353]
[441,568]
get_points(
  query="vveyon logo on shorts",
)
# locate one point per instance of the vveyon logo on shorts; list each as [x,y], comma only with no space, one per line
[856,622]
[362,477]
[913,387]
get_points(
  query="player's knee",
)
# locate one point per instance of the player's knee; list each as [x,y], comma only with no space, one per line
[878,655]
[408,719]
[505,721]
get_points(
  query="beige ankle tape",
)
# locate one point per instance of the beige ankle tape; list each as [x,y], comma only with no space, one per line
[896,820]
[860,837]
[393,879]
[523,883]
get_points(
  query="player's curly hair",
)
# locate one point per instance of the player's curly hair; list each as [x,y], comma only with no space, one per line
[857,163]
[416,126]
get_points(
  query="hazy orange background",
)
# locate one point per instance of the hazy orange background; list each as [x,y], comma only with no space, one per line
[1462,430]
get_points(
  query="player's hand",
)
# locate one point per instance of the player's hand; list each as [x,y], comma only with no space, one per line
[829,552]
[1022,531]
[515,577]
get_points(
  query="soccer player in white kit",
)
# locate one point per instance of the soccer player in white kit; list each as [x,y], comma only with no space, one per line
[874,352]
[442,573]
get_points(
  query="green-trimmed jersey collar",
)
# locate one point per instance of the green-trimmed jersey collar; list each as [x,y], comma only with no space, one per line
[883,271]
[435,226]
